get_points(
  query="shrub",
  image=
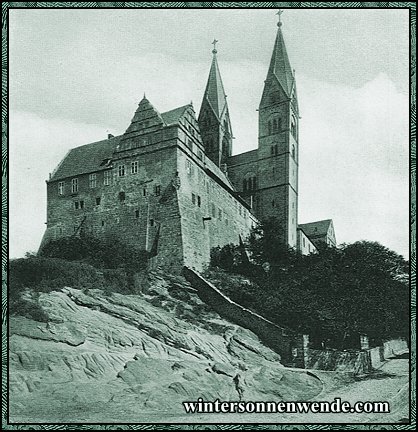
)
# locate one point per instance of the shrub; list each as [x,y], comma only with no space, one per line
[49,274]
[108,252]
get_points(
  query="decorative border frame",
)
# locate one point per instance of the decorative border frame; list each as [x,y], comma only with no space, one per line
[5,199]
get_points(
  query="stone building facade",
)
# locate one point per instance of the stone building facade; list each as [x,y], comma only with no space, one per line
[170,183]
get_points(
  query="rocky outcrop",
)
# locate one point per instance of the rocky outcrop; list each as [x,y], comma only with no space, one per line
[135,358]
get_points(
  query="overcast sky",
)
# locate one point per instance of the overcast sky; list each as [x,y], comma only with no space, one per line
[76,74]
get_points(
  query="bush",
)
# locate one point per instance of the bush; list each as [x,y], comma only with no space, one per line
[108,253]
[49,274]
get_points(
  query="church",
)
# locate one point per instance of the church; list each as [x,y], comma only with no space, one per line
[171,184]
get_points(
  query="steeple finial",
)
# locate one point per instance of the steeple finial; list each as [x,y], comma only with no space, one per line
[279,13]
[214,51]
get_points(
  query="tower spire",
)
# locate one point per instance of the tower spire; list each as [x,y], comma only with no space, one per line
[280,69]
[214,121]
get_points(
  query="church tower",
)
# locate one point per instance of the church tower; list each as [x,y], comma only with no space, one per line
[214,121]
[278,150]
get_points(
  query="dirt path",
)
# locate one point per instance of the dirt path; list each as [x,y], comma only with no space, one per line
[390,384]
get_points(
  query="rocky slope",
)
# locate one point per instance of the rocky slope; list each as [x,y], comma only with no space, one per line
[136,358]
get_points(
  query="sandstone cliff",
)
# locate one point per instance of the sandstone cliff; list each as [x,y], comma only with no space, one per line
[135,358]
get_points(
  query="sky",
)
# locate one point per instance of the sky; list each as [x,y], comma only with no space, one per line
[76,75]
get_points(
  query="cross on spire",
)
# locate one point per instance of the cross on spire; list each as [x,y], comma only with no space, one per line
[279,13]
[214,51]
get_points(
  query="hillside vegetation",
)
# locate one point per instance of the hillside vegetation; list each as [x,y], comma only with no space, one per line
[334,295]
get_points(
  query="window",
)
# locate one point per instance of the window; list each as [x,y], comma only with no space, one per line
[274,125]
[98,200]
[279,124]
[144,191]
[81,204]
[122,196]
[273,203]
[303,241]
[193,198]
[121,170]
[61,186]
[213,210]
[137,214]
[188,167]
[92,180]
[134,167]
[244,185]
[219,214]
[293,127]
[269,127]
[74,185]
[151,222]
[103,223]
[157,190]
[199,201]
[293,154]
[76,205]
[107,176]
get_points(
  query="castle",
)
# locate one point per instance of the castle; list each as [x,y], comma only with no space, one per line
[171,185]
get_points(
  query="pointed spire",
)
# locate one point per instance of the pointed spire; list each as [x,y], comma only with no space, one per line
[215,93]
[280,68]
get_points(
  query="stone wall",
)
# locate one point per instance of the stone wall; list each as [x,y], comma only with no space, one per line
[376,356]
[394,347]
[210,214]
[287,343]
[357,362]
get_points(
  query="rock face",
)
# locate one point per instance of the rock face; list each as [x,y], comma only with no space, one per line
[136,358]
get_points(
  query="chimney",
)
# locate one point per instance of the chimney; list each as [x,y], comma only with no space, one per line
[109,135]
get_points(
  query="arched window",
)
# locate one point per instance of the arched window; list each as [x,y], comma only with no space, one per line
[244,185]
[269,127]
[293,127]
[274,125]
[279,124]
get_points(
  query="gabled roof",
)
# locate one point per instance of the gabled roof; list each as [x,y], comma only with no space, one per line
[145,116]
[85,159]
[89,158]
[215,93]
[174,115]
[280,68]
[316,229]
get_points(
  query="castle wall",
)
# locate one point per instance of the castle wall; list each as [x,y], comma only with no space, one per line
[135,207]
[289,344]
[211,215]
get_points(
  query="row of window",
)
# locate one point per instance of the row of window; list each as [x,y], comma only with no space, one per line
[107,176]
[122,196]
